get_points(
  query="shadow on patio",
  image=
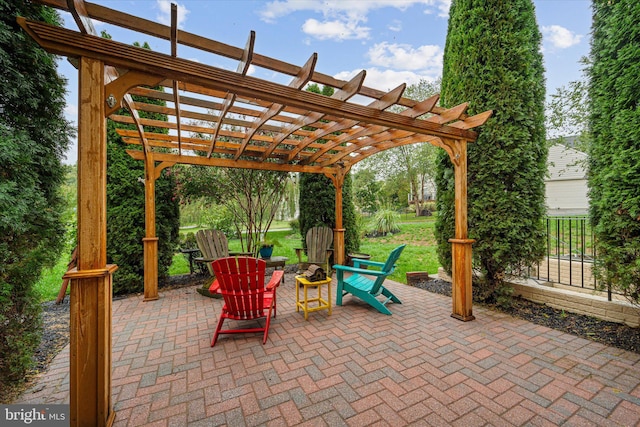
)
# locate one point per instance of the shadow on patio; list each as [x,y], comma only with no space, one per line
[356,367]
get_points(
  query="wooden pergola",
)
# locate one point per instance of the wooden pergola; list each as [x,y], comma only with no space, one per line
[219,118]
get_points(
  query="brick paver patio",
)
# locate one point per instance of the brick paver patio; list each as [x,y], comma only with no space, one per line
[356,367]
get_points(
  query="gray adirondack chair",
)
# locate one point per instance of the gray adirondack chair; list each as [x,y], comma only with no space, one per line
[213,245]
[319,241]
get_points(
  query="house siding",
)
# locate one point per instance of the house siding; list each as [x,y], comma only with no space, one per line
[566,183]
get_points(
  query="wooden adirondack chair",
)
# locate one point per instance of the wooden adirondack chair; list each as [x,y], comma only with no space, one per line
[319,241]
[245,296]
[365,288]
[213,244]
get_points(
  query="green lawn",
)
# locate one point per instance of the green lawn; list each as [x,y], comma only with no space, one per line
[48,286]
[419,255]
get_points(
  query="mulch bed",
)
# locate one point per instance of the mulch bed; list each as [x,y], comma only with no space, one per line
[56,324]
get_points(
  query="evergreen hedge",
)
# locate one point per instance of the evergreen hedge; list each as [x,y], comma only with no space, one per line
[317,208]
[126,207]
[126,218]
[614,155]
[317,199]
[492,60]
[33,138]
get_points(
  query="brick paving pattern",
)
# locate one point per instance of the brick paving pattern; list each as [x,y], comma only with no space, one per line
[356,367]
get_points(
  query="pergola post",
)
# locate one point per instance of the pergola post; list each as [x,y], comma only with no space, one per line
[150,241]
[338,232]
[461,288]
[91,282]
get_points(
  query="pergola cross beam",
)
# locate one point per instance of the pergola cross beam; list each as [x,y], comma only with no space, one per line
[69,43]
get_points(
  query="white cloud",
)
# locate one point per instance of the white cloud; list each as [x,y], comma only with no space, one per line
[279,8]
[335,30]
[71,111]
[405,57]
[394,64]
[395,26]
[560,37]
[164,13]
[343,16]
[386,80]
[443,7]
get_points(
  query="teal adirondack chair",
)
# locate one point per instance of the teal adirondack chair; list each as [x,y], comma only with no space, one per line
[365,288]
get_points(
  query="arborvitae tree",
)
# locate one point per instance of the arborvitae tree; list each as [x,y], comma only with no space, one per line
[33,137]
[317,200]
[126,206]
[318,208]
[614,156]
[492,60]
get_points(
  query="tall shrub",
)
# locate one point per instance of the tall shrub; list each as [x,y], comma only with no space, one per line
[126,217]
[317,208]
[126,207]
[33,137]
[614,156]
[317,200]
[492,60]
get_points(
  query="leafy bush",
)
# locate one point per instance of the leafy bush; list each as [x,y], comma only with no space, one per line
[295,225]
[385,222]
[428,208]
[219,217]
[319,210]
[189,241]
[192,211]
[361,225]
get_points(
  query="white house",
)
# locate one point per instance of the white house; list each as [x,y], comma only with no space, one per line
[566,183]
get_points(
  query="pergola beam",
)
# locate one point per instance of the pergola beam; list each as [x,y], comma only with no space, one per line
[174,53]
[69,43]
[155,29]
[353,137]
[115,82]
[348,91]
[230,163]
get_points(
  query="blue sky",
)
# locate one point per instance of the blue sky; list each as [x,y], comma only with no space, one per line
[395,41]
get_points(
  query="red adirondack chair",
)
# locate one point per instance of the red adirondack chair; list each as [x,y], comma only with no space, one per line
[245,296]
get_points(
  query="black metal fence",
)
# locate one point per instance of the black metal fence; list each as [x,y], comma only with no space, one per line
[570,253]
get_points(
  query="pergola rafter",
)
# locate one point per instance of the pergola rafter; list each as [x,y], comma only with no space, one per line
[174,53]
[222,118]
[243,67]
[383,103]
[272,110]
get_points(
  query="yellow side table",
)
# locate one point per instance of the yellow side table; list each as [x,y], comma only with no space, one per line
[304,303]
